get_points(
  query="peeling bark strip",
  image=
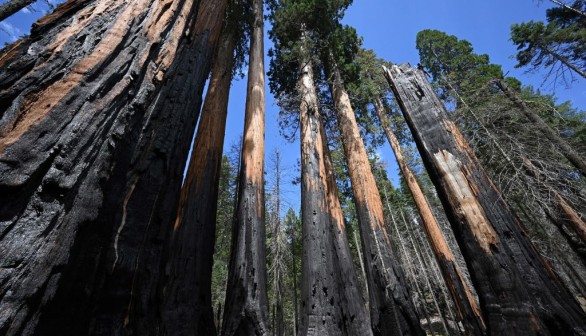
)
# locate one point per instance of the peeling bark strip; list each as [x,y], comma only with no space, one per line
[519,293]
[391,308]
[97,111]
[466,306]
[246,308]
[189,305]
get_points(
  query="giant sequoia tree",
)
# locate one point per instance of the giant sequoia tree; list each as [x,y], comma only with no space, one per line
[191,246]
[246,308]
[330,301]
[519,293]
[98,107]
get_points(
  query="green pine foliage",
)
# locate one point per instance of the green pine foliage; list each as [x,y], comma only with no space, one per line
[558,44]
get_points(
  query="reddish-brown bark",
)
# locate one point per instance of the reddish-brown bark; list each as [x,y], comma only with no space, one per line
[246,308]
[191,246]
[391,307]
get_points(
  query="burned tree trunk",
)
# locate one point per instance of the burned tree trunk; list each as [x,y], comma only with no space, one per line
[466,306]
[391,308]
[188,308]
[12,7]
[519,292]
[246,308]
[320,302]
[351,305]
[97,111]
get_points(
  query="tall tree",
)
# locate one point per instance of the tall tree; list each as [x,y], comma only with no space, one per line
[354,313]
[189,306]
[95,128]
[518,291]
[246,308]
[298,27]
[390,305]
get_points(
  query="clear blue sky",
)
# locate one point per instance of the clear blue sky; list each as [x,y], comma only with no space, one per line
[389,28]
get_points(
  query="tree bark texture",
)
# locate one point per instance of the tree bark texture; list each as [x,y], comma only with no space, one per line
[12,7]
[565,149]
[188,308]
[246,308]
[97,111]
[468,311]
[518,291]
[391,308]
[351,303]
[320,312]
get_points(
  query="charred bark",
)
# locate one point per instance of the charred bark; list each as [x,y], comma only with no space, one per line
[320,313]
[519,292]
[98,108]
[246,308]
[466,307]
[351,304]
[391,308]
[188,308]
[12,7]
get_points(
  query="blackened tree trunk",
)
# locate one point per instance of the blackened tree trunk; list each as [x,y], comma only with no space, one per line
[391,308]
[12,6]
[351,305]
[188,309]
[246,308]
[519,293]
[468,311]
[97,111]
[320,302]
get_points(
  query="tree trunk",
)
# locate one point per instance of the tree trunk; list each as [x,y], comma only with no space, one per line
[246,308]
[519,292]
[320,295]
[97,111]
[12,6]
[466,306]
[354,315]
[565,149]
[391,308]
[188,309]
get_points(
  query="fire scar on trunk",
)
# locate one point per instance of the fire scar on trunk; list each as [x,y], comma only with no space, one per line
[467,205]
